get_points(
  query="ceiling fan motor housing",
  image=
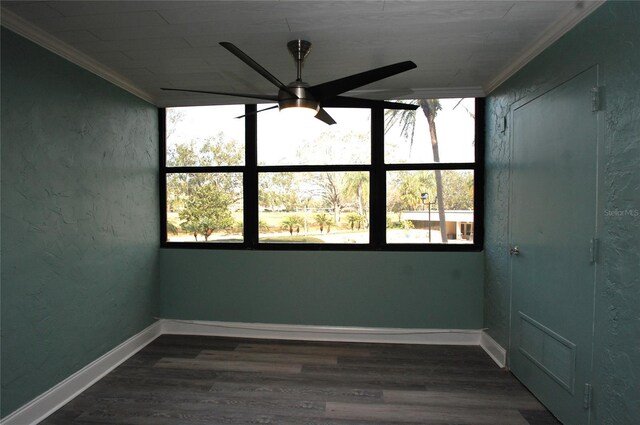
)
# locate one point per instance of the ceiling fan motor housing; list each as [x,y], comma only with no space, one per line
[304,98]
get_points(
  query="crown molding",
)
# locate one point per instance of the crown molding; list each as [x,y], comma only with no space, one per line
[419,93]
[551,35]
[31,32]
[445,92]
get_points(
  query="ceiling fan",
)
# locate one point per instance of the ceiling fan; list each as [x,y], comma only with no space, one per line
[300,96]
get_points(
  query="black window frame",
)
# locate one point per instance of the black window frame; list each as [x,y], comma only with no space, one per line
[377,174]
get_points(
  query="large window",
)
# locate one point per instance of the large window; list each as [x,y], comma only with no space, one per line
[378,179]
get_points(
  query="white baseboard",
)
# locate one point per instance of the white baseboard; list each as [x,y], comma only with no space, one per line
[50,401]
[323,333]
[493,349]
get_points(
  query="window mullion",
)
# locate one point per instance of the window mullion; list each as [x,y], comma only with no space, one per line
[311,168]
[478,186]
[432,166]
[250,178]
[378,189]
[162,178]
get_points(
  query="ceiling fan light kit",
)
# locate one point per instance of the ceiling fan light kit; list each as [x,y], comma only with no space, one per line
[305,100]
[298,112]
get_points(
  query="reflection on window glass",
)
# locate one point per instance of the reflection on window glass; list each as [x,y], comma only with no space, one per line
[418,212]
[205,136]
[314,207]
[204,207]
[409,137]
[283,141]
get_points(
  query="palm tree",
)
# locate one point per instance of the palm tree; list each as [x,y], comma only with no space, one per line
[292,221]
[354,219]
[407,121]
[323,219]
[407,188]
[356,186]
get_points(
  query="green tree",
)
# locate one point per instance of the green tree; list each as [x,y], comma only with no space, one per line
[407,188]
[323,219]
[212,151]
[407,121]
[207,211]
[459,189]
[220,150]
[292,222]
[190,227]
[279,190]
[178,184]
[355,219]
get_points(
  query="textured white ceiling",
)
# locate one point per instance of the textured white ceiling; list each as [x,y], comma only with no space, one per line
[460,47]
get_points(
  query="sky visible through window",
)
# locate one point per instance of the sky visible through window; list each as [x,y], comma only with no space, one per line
[455,129]
[281,136]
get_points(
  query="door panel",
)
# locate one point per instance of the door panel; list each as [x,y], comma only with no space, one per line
[553,220]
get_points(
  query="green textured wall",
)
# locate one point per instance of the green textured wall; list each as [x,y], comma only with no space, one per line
[377,289]
[610,39]
[79,218]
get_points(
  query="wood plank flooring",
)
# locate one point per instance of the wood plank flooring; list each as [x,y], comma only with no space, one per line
[208,380]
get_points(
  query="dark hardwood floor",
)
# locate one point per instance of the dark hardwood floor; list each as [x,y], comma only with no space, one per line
[207,380]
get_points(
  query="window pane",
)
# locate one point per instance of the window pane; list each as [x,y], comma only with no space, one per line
[204,207]
[318,207]
[205,136]
[408,138]
[284,140]
[413,206]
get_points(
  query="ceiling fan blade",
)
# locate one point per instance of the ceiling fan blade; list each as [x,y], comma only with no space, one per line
[255,112]
[333,88]
[323,116]
[255,65]
[354,102]
[273,98]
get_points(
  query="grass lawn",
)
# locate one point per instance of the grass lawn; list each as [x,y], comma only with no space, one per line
[291,239]
[273,232]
